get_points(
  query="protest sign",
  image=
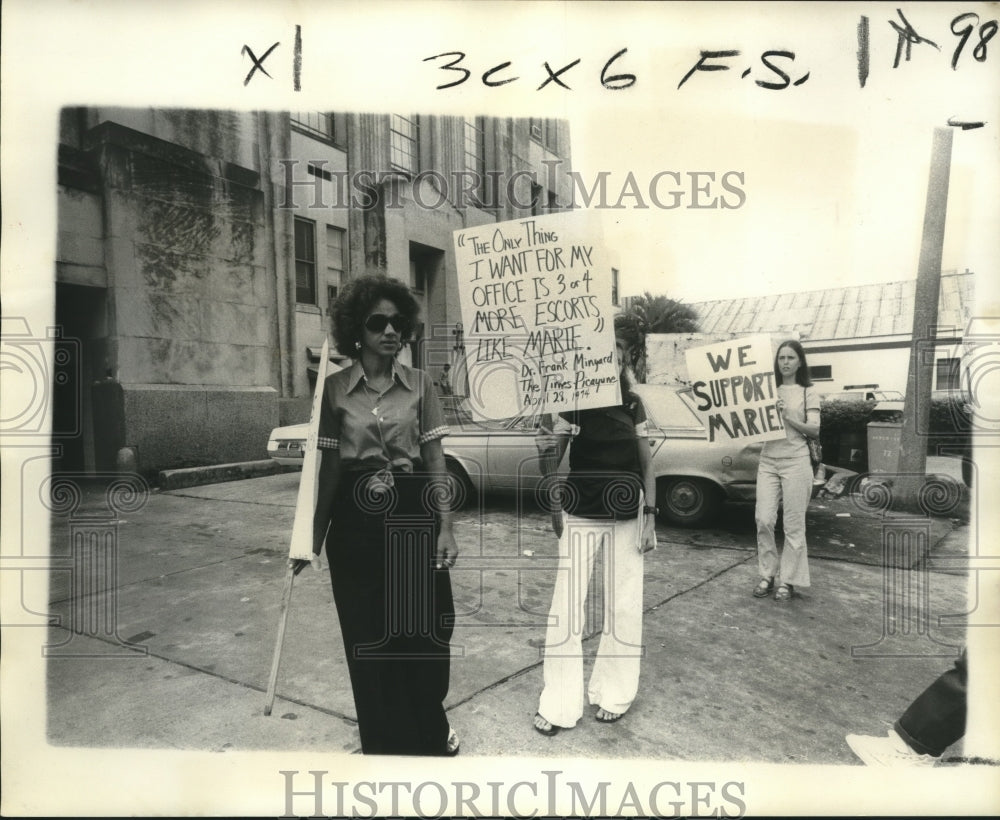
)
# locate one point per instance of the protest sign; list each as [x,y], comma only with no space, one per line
[537,314]
[734,389]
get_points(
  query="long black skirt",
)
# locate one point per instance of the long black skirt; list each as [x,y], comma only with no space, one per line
[396,612]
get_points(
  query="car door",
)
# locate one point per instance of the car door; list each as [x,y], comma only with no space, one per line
[512,458]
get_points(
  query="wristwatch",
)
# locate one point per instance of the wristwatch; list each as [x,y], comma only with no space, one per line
[647,510]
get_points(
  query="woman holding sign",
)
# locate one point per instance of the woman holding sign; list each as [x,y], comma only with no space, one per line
[383,511]
[785,477]
[602,505]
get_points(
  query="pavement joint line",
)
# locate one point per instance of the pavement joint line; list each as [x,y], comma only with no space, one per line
[702,583]
[495,684]
[927,561]
[138,581]
[524,670]
[217,675]
[180,494]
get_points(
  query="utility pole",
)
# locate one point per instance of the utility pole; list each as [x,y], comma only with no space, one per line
[919,378]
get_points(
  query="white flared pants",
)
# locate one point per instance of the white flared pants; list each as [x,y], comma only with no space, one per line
[614,680]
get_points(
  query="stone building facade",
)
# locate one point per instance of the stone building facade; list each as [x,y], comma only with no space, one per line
[198,253]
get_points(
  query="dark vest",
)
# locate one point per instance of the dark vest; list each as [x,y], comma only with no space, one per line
[605,479]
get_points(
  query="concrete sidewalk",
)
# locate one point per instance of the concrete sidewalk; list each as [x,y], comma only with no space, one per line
[726,677]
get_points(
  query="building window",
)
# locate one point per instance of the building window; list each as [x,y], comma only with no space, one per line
[305,261]
[404,144]
[821,372]
[475,154]
[317,123]
[475,146]
[614,287]
[544,131]
[948,376]
[418,279]
[335,256]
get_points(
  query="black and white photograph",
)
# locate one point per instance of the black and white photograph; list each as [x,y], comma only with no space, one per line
[500,409]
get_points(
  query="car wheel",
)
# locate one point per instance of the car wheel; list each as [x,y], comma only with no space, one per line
[462,491]
[686,501]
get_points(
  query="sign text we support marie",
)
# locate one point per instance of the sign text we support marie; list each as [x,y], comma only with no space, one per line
[537,316]
[734,389]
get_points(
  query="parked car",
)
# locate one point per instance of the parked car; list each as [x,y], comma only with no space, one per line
[499,457]
[886,402]
[287,445]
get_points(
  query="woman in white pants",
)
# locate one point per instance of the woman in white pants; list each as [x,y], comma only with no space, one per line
[785,477]
[603,506]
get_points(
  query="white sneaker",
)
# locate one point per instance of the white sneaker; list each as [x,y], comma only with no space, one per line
[887,751]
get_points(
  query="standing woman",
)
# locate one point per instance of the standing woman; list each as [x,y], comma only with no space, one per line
[606,505]
[383,511]
[785,477]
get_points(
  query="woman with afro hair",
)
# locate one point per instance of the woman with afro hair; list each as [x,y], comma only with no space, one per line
[383,511]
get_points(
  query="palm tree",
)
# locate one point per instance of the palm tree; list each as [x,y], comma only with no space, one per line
[652,314]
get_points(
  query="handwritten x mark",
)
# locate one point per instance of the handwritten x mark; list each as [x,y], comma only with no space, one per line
[257,64]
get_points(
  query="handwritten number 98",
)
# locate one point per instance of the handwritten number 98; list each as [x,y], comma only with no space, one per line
[986,32]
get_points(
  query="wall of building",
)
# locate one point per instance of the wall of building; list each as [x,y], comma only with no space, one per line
[323,206]
[191,297]
[80,239]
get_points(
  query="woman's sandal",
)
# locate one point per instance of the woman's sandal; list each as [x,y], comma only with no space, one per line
[553,729]
[784,593]
[610,717]
[453,744]
[763,589]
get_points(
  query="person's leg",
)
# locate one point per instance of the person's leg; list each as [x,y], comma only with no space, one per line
[561,701]
[936,719]
[933,722]
[768,498]
[796,490]
[354,549]
[615,677]
[423,617]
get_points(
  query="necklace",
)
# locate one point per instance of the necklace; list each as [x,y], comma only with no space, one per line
[370,390]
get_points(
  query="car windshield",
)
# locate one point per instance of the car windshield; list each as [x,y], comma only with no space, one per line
[668,407]
[888,395]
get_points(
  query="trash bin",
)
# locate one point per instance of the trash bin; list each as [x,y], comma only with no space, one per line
[883,447]
[847,450]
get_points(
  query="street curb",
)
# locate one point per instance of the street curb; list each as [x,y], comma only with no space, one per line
[215,473]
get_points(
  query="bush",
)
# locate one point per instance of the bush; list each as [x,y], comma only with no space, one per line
[948,416]
[839,416]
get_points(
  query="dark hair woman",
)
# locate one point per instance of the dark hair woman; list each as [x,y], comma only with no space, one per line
[785,477]
[383,511]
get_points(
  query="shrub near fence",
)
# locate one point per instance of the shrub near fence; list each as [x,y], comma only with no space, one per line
[844,423]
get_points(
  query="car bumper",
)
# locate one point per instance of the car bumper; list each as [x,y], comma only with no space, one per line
[287,455]
[742,491]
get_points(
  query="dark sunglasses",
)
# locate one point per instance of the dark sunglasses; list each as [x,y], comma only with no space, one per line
[377,322]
